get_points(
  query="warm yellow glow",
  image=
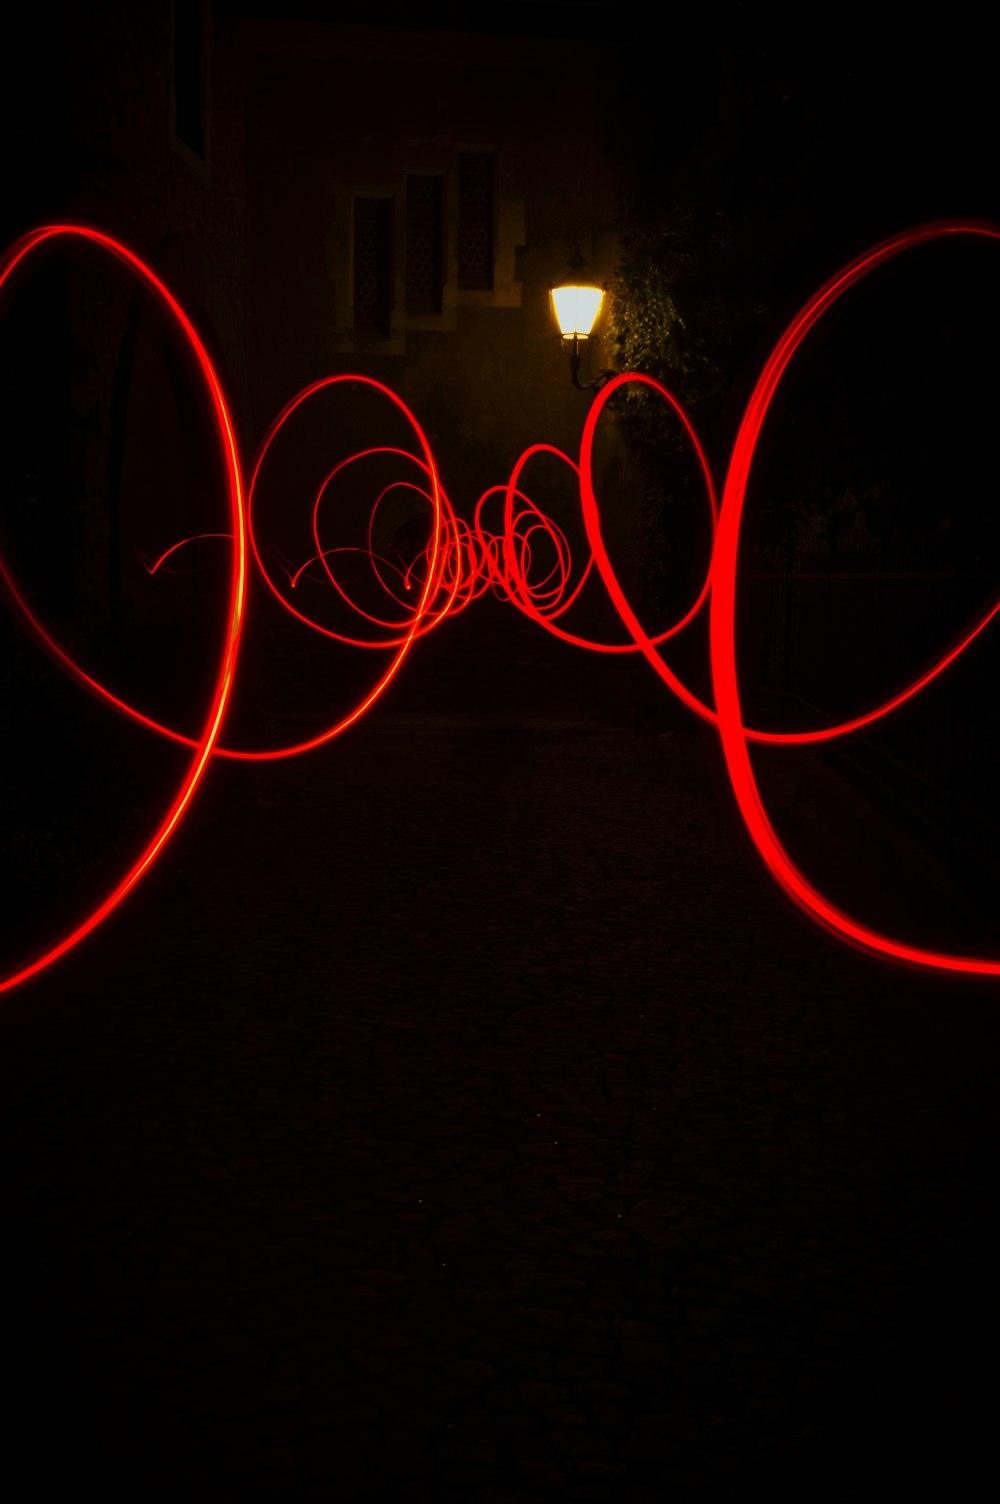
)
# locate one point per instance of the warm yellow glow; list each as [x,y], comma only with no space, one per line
[576,309]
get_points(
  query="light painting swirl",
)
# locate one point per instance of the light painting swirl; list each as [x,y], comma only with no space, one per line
[528,563]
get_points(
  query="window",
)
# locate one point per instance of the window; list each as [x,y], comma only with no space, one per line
[476,178]
[424,243]
[373,265]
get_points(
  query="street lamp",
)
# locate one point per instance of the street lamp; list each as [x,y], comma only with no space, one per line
[576,304]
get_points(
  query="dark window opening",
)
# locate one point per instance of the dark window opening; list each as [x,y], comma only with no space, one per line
[189,73]
[424,243]
[373,265]
[476,175]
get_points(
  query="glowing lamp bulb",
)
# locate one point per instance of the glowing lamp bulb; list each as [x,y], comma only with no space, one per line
[576,310]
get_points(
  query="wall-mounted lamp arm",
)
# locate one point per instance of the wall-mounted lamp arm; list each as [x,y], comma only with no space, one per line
[574,371]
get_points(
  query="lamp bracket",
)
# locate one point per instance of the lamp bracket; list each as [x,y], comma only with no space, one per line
[598,382]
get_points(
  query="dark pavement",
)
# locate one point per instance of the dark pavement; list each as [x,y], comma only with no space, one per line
[460,1114]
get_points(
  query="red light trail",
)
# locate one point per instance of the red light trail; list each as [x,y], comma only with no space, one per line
[460,562]
[205,745]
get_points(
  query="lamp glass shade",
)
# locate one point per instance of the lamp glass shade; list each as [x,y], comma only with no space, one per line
[576,310]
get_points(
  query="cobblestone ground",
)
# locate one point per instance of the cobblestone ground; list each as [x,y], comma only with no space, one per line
[461,1115]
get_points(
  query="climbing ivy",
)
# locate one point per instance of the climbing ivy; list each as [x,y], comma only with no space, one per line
[671,317]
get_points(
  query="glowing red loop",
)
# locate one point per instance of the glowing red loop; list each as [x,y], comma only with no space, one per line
[402,644]
[522,596]
[732,731]
[448,544]
[205,745]
[528,564]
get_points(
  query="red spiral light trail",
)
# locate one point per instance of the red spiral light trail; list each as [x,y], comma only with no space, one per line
[462,561]
[732,732]
[205,745]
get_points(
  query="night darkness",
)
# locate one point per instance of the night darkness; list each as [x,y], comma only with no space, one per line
[459,1110]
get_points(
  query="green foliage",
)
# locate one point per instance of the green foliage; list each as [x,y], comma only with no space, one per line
[668,321]
[670,318]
